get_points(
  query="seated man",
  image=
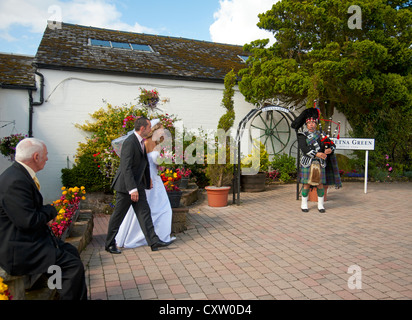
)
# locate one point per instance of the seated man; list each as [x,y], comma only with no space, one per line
[27,244]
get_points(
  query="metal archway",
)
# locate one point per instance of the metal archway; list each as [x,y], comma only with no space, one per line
[275,131]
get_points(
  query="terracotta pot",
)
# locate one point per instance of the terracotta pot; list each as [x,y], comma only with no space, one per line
[313,194]
[217,196]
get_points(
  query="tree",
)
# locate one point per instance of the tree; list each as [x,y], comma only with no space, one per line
[320,53]
[220,174]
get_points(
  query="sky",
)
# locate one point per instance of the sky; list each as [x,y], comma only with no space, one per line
[22,22]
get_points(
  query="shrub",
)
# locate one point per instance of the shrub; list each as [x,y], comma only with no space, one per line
[285,165]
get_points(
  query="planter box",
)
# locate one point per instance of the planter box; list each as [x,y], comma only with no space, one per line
[253,183]
[174,198]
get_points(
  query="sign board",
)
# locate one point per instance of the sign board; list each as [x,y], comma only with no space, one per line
[354,144]
[270,108]
[357,144]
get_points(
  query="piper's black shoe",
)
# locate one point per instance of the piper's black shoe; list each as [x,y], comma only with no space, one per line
[322,210]
[113,249]
[305,210]
[160,244]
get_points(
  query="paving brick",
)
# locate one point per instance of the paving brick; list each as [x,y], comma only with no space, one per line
[268,249]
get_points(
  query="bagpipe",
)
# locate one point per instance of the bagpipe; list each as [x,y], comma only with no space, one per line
[325,141]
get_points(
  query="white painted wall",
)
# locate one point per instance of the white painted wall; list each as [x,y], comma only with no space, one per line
[14,106]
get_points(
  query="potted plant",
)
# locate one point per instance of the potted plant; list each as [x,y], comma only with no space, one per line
[185,173]
[221,174]
[149,98]
[255,182]
[8,145]
[170,180]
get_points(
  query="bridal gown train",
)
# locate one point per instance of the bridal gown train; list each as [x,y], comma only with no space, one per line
[130,234]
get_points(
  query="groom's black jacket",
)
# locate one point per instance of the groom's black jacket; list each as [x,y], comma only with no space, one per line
[134,169]
[26,244]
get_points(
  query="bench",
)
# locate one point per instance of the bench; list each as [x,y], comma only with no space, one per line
[19,286]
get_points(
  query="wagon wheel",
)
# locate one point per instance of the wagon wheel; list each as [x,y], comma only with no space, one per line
[274,129]
[293,150]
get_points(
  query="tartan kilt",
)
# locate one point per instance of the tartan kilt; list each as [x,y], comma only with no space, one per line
[304,175]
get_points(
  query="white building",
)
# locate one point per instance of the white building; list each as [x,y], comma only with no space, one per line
[82,66]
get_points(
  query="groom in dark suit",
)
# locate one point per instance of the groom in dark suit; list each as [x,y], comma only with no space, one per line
[130,182]
[27,244]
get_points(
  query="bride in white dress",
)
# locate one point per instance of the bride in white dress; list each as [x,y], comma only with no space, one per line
[130,234]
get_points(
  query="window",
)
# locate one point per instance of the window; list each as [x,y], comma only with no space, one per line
[100,43]
[121,45]
[243,58]
[141,47]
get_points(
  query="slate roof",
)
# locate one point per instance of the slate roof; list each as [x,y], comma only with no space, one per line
[68,48]
[16,72]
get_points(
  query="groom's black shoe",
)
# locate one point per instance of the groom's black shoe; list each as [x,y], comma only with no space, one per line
[160,244]
[113,249]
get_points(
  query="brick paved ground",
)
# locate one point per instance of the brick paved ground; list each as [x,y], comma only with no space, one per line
[266,248]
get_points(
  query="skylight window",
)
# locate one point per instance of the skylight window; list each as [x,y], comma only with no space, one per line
[141,47]
[121,45]
[243,58]
[100,43]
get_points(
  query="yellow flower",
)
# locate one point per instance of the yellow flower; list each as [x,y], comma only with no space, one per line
[62,211]
[82,188]
[83,198]
[64,192]
[63,188]
[175,175]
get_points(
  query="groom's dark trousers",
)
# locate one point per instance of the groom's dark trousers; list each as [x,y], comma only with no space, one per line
[133,173]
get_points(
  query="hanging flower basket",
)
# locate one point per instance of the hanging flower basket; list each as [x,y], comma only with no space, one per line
[149,98]
[8,145]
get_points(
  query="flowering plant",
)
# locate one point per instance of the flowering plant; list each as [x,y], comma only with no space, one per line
[8,144]
[149,98]
[387,165]
[4,291]
[66,206]
[170,178]
[107,162]
[129,120]
[272,176]
[185,173]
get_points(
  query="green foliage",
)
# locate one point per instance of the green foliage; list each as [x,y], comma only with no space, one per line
[285,165]
[364,73]
[85,173]
[221,174]
[251,159]
[96,163]
[227,120]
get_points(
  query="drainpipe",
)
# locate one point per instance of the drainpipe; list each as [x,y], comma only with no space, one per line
[33,103]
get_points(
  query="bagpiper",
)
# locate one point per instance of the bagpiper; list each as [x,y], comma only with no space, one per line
[318,164]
